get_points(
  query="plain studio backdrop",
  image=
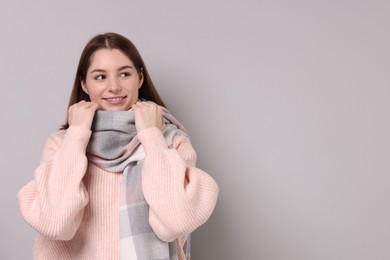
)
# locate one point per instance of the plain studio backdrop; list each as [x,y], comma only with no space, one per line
[287,104]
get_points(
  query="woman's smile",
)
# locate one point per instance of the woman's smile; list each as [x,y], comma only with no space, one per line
[115,100]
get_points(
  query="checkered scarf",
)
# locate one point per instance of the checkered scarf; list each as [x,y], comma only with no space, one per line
[114,146]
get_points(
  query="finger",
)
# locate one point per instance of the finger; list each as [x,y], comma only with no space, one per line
[141,107]
[141,104]
[94,106]
[80,104]
[87,105]
[159,108]
[134,106]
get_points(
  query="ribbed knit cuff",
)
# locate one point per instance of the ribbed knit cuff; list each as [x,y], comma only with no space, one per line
[152,140]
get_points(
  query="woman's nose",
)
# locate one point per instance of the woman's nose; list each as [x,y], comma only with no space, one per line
[114,84]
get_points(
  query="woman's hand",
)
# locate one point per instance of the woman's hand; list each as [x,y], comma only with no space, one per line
[82,113]
[147,115]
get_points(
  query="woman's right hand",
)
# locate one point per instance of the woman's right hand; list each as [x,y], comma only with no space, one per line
[82,113]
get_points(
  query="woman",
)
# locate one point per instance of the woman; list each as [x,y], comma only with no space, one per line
[118,180]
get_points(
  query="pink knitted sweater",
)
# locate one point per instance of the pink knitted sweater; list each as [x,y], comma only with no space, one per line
[74,205]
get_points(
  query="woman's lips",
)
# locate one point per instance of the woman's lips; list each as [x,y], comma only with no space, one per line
[115,100]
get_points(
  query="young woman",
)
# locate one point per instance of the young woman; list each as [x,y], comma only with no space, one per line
[118,180]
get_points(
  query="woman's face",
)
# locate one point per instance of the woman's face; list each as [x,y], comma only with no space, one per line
[112,80]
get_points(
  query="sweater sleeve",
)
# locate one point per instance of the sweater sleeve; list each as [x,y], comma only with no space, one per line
[53,202]
[181,197]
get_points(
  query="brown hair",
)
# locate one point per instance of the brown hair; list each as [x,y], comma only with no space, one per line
[111,41]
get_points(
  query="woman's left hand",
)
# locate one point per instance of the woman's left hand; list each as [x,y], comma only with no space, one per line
[147,115]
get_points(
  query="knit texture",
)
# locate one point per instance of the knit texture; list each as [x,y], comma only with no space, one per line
[115,148]
[74,205]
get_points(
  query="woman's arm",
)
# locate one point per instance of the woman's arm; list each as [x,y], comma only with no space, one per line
[53,202]
[181,197]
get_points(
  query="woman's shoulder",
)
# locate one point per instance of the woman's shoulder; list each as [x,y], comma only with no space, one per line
[74,133]
[56,137]
[60,133]
[76,137]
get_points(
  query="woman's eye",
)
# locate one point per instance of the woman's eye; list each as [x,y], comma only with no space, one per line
[124,75]
[100,77]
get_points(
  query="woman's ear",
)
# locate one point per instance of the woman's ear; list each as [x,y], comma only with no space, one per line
[141,79]
[83,86]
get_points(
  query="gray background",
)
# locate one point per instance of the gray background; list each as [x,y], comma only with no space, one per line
[286,101]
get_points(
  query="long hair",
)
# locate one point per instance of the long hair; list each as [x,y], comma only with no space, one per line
[111,41]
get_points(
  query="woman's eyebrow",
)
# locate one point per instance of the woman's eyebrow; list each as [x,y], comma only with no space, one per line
[125,67]
[97,70]
[119,69]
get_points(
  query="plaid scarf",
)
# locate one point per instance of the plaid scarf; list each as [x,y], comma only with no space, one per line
[114,146]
